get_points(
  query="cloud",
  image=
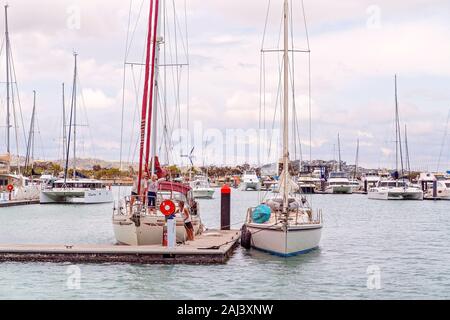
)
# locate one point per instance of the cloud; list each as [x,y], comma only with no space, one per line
[97,99]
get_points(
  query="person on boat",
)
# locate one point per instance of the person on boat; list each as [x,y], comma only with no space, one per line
[187,221]
[134,189]
[152,191]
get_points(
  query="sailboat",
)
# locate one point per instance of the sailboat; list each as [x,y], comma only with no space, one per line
[134,222]
[338,181]
[14,186]
[76,189]
[397,187]
[286,224]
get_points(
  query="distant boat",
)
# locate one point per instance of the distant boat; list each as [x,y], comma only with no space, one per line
[397,187]
[428,181]
[338,181]
[250,181]
[285,224]
[201,188]
[76,189]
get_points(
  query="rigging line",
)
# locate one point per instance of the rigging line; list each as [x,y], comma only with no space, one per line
[295,128]
[265,25]
[309,80]
[137,103]
[17,93]
[123,90]
[188,92]
[136,109]
[178,70]
[444,140]
[16,127]
[130,44]
[83,102]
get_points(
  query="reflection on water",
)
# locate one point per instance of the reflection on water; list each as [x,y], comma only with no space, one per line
[407,241]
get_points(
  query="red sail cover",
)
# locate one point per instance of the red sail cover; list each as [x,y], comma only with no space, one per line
[160,172]
[174,187]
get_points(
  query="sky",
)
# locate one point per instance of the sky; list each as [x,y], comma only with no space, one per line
[357,46]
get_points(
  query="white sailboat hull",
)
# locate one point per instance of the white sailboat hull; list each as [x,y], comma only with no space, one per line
[344,189]
[203,193]
[76,196]
[256,186]
[296,240]
[150,231]
[395,194]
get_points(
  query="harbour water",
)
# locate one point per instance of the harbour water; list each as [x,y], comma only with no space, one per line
[404,243]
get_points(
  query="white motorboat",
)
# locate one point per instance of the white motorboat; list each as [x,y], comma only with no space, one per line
[338,183]
[201,188]
[23,189]
[395,190]
[136,225]
[307,184]
[370,180]
[250,181]
[429,182]
[79,191]
[355,185]
[285,225]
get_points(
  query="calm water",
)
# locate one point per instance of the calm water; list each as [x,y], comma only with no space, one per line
[408,241]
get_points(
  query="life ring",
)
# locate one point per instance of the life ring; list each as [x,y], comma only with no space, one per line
[10,188]
[167,208]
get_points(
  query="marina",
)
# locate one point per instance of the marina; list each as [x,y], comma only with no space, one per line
[179,168]
[404,239]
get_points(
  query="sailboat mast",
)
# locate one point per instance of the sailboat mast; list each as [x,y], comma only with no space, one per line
[75,116]
[30,143]
[286,108]
[144,113]
[8,84]
[357,159]
[155,92]
[339,153]
[408,162]
[396,127]
[64,122]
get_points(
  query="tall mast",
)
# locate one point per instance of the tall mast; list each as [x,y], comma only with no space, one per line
[74,101]
[144,112]
[154,94]
[408,162]
[30,144]
[286,109]
[398,147]
[339,153]
[357,159]
[396,126]
[8,84]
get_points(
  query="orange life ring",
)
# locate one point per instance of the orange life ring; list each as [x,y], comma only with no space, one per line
[167,208]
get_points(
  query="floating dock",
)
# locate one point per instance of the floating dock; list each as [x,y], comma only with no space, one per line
[213,247]
[13,203]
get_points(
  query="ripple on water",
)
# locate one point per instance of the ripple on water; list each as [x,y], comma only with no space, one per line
[408,241]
